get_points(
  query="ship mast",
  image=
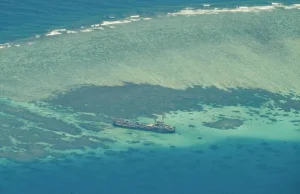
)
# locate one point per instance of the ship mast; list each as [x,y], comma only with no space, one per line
[163,118]
[155,119]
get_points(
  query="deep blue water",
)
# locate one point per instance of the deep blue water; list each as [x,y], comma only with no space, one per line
[23,19]
[254,168]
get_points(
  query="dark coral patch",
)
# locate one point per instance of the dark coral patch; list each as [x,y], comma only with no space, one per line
[48,123]
[145,99]
[29,153]
[91,127]
[133,142]
[148,143]
[214,147]
[198,151]
[224,124]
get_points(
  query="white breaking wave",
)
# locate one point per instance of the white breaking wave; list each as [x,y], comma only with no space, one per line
[106,23]
[185,12]
[135,20]
[71,32]
[53,33]
[86,30]
[273,3]
[273,6]
[135,16]
[56,32]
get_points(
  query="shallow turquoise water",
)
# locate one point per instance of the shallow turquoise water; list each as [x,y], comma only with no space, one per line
[226,77]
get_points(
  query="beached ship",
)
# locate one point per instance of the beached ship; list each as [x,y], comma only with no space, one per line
[158,126]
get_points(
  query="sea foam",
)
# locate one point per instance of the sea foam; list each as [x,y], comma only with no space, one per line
[273,6]
[86,30]
[135,16]
[106,23]
[53,33]
[208,9]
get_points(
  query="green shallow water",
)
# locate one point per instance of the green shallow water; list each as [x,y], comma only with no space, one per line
[79,122]
[215,76]
[226,50]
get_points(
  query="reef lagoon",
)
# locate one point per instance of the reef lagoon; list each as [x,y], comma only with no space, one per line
[225,74]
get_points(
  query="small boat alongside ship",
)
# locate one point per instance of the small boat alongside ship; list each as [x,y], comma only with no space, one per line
[157,126]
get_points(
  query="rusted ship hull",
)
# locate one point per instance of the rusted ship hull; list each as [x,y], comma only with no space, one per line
[158,127]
